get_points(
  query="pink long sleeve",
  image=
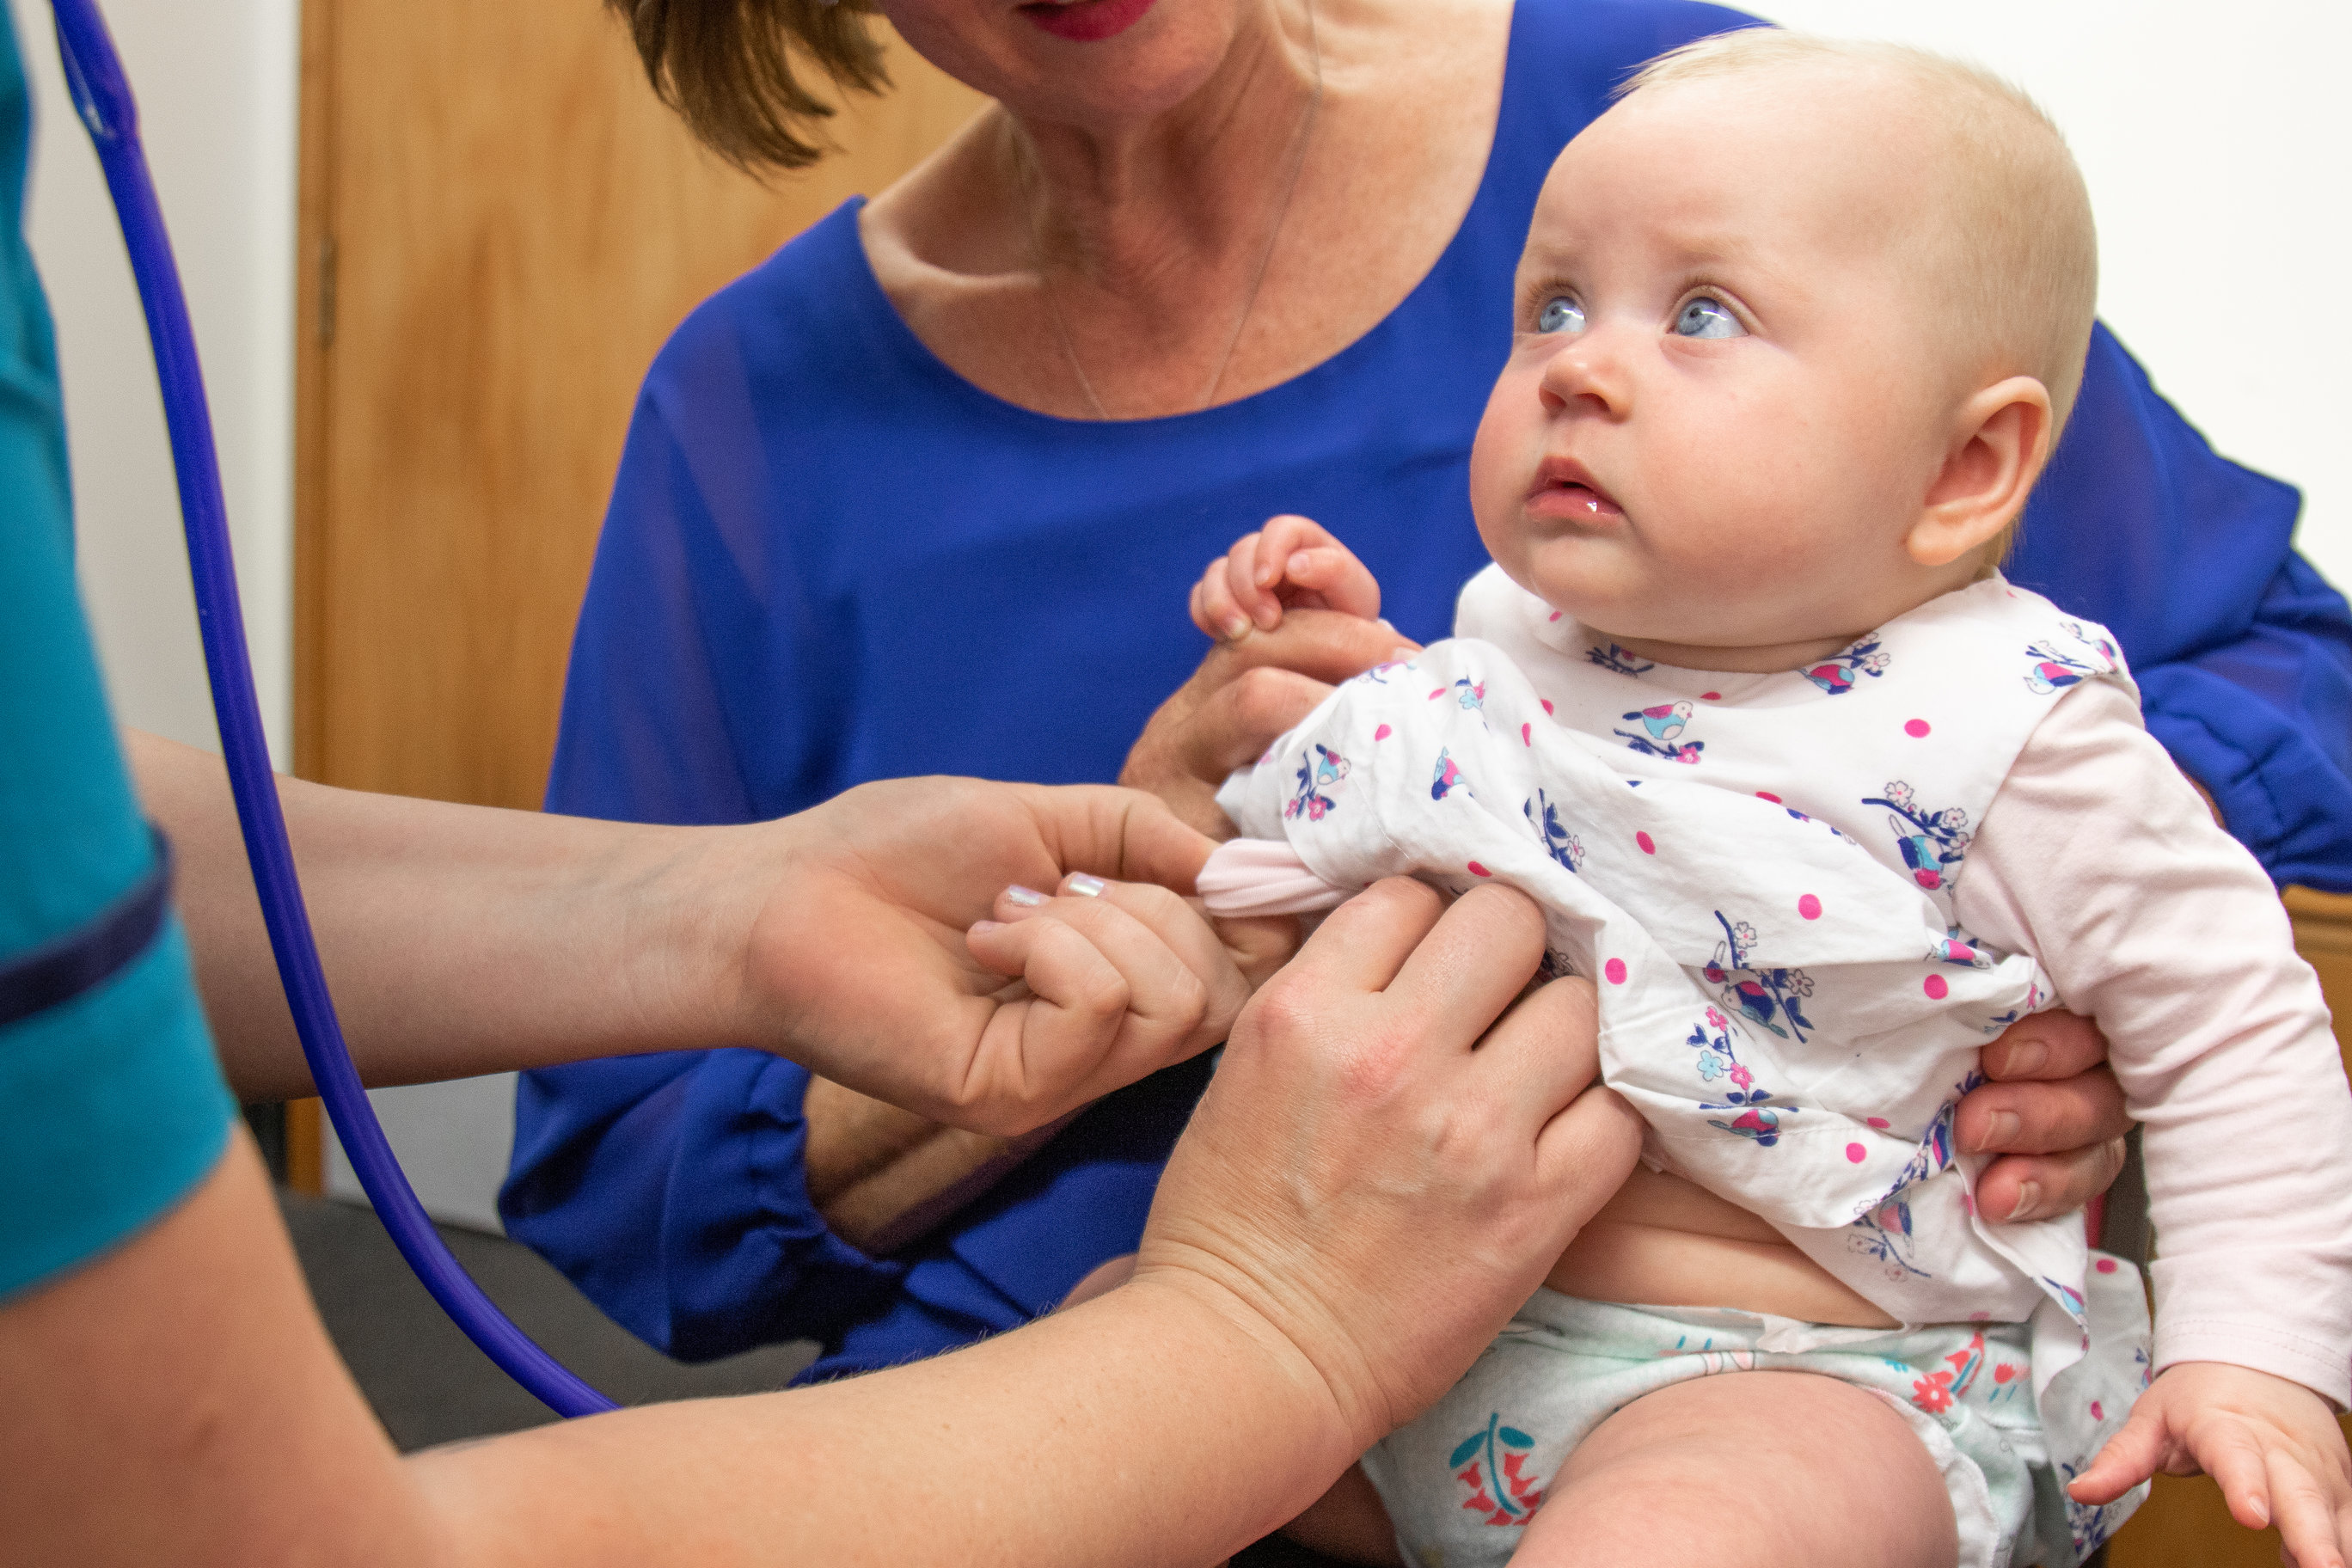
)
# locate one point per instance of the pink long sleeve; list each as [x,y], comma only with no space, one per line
[2097,857]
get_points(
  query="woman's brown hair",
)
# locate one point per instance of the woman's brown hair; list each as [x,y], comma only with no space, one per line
[726,66]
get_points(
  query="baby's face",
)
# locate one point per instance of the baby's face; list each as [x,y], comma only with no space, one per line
[1724,404]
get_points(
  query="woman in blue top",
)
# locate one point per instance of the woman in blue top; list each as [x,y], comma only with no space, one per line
[925,493]
[168,1394]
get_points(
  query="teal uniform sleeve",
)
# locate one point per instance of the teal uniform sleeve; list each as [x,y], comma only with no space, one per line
[111,1102]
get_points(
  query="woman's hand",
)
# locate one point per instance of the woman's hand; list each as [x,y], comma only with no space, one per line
[899,948]
[1398,1142]
[1243,695]
[2054,1114]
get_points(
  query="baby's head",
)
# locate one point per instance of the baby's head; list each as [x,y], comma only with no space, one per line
[1796,328]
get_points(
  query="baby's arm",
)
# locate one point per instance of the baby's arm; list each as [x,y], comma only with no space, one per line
[2098,857]
[1291,563]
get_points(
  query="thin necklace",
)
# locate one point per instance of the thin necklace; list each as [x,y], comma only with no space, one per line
[1296,160]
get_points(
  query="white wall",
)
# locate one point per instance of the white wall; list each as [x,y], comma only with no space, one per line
[217,85]
[2217,140]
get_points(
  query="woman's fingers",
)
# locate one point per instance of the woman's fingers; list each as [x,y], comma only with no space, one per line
[2060,1139]
[2019,1187]
[1243,695]
[1479,956]
[2046,1046]
[1366,940]
[2044,1118]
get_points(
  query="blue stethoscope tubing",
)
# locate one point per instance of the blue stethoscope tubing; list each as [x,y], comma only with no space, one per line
[101,96]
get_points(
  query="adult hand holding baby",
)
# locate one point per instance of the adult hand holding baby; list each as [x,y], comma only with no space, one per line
[1421,1143]
[1001,1024]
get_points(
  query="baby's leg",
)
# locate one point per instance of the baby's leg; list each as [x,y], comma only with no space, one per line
[1747,1470]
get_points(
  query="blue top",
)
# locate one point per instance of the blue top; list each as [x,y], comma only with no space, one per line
[830,559]
[111,1107]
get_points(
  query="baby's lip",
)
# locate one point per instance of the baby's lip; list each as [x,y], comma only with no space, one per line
[1566,488]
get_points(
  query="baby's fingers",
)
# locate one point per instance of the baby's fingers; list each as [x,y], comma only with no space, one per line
[1245,570]
[2312,1527]
[2231,1454]
[1214,610]
[1336,577]
[2131,1457]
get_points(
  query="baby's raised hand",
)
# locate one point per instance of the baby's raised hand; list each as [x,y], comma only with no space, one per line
[2274,1446]
[1290,563]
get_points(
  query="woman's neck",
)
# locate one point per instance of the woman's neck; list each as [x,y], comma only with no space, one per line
[1080,262]
[1149,204]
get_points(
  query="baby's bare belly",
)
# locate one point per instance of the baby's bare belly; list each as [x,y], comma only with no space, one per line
[1665,1242]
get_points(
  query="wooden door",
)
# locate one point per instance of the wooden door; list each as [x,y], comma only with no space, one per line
[500,224]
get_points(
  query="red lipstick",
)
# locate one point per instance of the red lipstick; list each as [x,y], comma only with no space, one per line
[1087,21]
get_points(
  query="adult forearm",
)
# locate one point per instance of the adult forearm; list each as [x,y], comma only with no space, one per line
[1104,1435]
[458,940]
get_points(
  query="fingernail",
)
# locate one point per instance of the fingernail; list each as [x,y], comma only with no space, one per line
[981,928]
[2029,1201]
[1028,898]
[1269,617]
[2025,1057]
[1399,655]
[2000,1130]
[1266,573]
[1384,624]
[1086,887]
[1238,628]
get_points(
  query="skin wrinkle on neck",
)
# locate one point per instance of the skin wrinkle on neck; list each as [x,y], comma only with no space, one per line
[1152,225]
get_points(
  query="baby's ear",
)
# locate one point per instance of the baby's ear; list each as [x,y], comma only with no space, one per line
[2000,439]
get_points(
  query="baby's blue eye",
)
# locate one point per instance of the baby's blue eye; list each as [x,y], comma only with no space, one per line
[1560,314]
[1705,318]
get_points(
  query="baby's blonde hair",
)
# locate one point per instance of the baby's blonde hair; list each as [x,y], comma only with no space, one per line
[2009,235]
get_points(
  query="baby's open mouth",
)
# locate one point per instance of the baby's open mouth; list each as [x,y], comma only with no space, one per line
[1566,491]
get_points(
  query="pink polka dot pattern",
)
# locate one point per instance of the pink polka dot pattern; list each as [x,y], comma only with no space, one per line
[1649,845]
[2097,1414]
[1615,970]
[1809,907]
[1857,1152]
[2106,1266]
[1878,1121]
[1916,727]
[1383,733]
[1710,696]
[1436,694]
[1478,871]
[1767,794]
[1546,702]
[1527,733]
[1555,614]
[1935,987]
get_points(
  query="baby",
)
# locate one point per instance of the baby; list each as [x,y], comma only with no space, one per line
[1819,802]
